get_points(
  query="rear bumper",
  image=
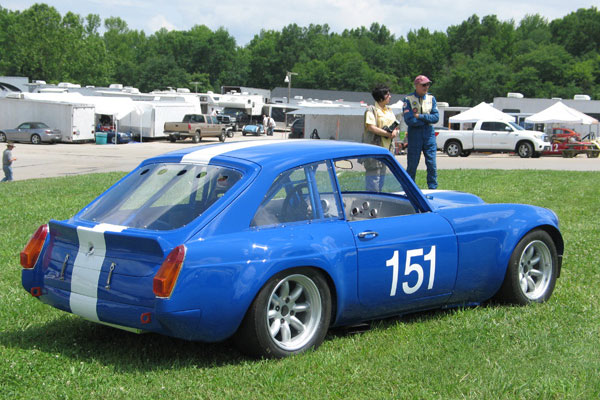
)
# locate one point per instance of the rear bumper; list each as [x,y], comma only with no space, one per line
[51,138]
[183,324]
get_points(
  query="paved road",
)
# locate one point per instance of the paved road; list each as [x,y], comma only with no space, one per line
[43,161]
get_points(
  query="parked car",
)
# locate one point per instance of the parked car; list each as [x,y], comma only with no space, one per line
[196,127]
[297,129]
[272,243]
[492,136]
[254,129]
[123,137]
[34,132]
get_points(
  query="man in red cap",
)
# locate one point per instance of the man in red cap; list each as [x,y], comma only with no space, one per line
[420,113]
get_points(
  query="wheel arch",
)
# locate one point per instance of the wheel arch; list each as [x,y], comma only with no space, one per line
[452,140]
[322,271]
[558,242]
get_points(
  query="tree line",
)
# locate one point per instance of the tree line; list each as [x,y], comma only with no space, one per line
[477,60]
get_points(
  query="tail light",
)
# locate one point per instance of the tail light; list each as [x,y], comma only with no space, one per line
[33,248]
[189,127]
[166,277]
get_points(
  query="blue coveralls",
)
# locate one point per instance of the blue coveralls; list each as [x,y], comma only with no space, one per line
[421,137]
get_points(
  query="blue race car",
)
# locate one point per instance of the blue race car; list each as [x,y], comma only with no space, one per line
[255,130]
[274,242]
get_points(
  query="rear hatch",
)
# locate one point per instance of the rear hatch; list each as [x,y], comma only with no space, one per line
[105,263]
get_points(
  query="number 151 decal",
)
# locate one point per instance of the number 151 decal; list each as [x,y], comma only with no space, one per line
[410,268]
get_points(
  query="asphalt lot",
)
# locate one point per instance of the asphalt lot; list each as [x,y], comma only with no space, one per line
[44,161]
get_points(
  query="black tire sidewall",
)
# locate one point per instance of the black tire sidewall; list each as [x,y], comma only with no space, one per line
[253,336]
[529,148]
[458,146]
[511,288]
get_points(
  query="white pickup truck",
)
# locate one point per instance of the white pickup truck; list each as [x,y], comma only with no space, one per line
[492,136]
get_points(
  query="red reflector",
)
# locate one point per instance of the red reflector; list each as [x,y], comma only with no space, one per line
[146,318]
[33,248]
[166,277]
[36,291]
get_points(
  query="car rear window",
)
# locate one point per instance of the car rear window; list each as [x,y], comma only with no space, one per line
[162,196]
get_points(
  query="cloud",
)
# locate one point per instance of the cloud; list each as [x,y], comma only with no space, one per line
[243,20]
[158,22]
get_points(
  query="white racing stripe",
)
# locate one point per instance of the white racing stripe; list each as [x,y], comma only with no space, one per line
[86,269]
[204,155]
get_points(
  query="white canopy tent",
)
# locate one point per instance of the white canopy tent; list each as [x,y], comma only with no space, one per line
[481,111]
[560,113]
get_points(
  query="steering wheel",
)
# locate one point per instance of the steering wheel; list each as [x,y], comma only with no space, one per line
[295,207]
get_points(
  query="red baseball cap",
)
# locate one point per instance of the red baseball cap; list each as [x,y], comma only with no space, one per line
[422,79]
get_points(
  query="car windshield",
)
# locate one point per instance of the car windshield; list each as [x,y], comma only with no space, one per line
[162,196]
[516,126]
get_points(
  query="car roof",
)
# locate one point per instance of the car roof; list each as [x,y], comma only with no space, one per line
[274,154]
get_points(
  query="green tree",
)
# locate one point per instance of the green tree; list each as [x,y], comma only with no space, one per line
[125,48]
[578,32]
[162,72]
[265,69]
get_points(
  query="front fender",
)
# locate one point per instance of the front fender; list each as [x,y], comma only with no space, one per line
[487,235]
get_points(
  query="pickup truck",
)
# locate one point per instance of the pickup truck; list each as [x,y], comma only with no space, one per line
[229,124]
[493,136]
[196,126]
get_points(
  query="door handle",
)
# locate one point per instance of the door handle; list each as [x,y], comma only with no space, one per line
[368,235]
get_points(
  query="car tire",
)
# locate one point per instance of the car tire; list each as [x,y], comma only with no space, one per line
[465,153]
[36,139]
[172,139]
[222,136]
[290,315]
[243,133]
[2,137]
[453,149]
[230,133]
[525,150]
[532,270]
[196,137]
[591,154]
[113,140]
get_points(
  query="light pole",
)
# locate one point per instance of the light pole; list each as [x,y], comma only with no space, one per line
[288,80]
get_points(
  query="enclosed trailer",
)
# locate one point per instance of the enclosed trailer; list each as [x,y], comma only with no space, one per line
[75,120]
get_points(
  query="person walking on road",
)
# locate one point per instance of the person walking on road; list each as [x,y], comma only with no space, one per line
[420,113]
[7,160]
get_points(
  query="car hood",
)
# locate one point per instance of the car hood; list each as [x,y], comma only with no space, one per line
[439,199]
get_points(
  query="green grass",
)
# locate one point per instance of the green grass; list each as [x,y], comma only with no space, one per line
[548,351]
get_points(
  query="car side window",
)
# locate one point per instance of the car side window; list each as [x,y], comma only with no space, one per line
[504,127]
[300,194]
[487,126]
[357,178]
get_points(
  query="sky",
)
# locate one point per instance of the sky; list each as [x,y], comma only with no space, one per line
[244,19]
